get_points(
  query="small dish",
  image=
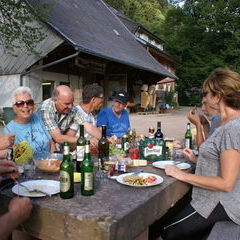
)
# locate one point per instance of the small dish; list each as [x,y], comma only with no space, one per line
[163,164]
[49,162]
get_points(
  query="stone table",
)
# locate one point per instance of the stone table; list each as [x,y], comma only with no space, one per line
[114,212]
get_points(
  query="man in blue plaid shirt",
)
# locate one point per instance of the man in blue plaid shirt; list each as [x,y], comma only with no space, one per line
[58,114]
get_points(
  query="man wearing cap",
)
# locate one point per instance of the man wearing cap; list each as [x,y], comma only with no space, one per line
[116,118]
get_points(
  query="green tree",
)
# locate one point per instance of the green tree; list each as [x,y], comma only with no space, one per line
[18,27]
[148,13]
[202,35]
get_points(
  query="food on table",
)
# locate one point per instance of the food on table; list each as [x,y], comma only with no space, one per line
[113,150]
[49,165]
[138,162]
[139,180]
[94,150]
[77,177]
[22,152]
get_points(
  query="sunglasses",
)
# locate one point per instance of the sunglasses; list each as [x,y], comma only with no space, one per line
[29,102]
[102,97]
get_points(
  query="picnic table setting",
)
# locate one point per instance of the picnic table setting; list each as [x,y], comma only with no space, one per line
[107,198]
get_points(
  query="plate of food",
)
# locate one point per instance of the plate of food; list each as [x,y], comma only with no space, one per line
[50,187]
[163,164]
[139,180]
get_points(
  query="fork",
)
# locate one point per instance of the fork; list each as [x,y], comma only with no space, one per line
[32,190]
[177,162]
[136,173]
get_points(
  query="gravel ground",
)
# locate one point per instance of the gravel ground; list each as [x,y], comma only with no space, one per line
[174,123]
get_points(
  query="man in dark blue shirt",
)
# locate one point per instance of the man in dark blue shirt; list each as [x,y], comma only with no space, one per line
[116,118]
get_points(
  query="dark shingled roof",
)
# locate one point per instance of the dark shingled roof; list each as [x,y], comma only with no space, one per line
[90,26]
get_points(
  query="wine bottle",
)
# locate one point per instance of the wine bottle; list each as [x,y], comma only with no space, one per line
[66,174]
[87,176]
[158,134]
[188,137]
[103,148]
[80,148]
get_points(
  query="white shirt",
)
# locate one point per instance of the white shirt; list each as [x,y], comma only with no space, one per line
[88,117]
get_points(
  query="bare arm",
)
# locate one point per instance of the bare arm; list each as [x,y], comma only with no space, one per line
[195,119]
[60,138]
[230,164]
[19,211]
[93,140]
[3,154]
[92,130]
[7,140]
[52,145]
[190,155]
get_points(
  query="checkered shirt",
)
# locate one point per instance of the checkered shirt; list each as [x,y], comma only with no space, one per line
[53,120]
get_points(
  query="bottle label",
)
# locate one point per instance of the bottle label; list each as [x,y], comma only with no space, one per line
[64,181]
[80,153]
[151,135]
[155,150]
[88,183]
[87,148]
[126,146]
[188,143]
[65,150]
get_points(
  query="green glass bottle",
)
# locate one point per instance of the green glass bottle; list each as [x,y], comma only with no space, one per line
[80,148]
[103,148]
[66,174]
[87,175]
[188,137]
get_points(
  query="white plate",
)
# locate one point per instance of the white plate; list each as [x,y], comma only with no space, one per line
[49,186]
[163,164]
[145,175]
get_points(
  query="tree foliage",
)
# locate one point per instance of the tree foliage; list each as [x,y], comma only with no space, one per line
[148,13]
[18,27]
[203,35]
[200,35]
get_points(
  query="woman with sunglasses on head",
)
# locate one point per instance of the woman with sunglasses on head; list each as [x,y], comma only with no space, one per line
[27,125]
[216,182]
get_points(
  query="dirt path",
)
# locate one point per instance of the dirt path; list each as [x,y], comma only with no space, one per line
[173,123]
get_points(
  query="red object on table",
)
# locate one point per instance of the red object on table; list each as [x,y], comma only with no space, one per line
[134,153]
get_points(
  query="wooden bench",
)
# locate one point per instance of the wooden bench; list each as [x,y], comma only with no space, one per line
[225,231]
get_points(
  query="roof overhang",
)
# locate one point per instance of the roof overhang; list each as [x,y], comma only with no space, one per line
[91,27]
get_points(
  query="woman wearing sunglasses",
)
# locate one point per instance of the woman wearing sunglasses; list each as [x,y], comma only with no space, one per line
[27,125]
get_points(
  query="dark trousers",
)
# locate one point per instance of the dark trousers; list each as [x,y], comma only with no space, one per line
[189,225]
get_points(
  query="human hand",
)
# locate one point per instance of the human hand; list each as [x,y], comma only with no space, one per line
[187,152]
[204,120]
[7,167]
[174,171]
[93,142]
[194,117]
[7,140]
[113,140]
[20,209]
